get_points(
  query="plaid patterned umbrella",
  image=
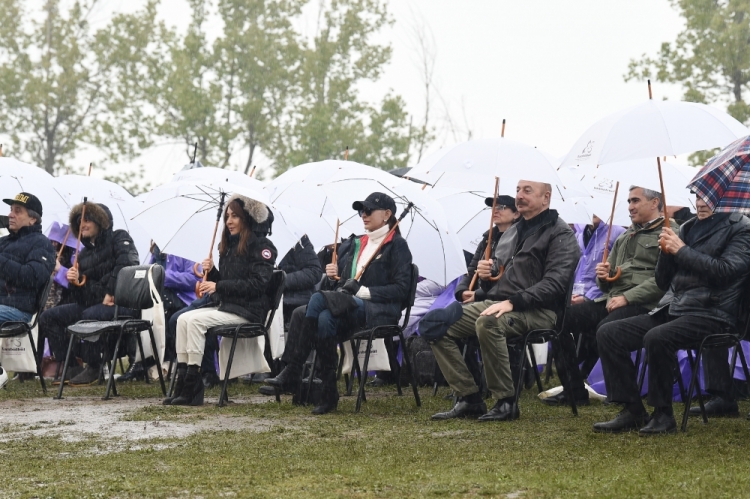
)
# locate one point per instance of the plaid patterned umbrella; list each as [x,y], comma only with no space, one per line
[724,183]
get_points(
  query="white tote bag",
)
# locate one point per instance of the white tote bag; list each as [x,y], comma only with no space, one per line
[249,355]
[378,356]
[16,354]
[158,323]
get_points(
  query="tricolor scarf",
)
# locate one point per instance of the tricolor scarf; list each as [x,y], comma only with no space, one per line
[359,244]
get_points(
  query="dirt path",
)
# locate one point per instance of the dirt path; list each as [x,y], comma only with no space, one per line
[75,419]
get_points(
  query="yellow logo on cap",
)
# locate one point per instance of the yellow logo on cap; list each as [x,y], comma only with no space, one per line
[21,198]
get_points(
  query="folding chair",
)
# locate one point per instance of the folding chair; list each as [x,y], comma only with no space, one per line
[387,332]
[133,292]
[675,368]
[539,336]
[720,340]
[252,330]
[15,329]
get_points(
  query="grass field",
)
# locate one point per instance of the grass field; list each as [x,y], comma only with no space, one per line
[390,449]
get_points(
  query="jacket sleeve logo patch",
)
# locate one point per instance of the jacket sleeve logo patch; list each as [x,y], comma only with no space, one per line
[266,254]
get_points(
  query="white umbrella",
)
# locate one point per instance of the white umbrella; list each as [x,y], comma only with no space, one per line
[211,175]
[180,216]
[17,176]
[120,202]
[473,166]
[652,129]
[331,188]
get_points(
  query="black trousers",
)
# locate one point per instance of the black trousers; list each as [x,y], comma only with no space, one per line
[294,343]
[585,319]
[662,335]
[53,322]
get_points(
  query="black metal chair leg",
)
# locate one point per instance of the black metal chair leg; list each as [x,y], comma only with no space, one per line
[642,376]
[111,380]
[410,368]
[680,383]
[143,356]
[173,379]
[689,398]
[363,379]
[65,368]
[568,382]
[534,366]
[355,367]
[341,361]
[156,359]
[548,367]
[310,379]
[229,368]
[38,360]
[122,368]
[393,362]
[738,349]
[524,362]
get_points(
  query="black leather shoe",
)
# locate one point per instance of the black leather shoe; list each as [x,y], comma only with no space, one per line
[288,379]
[462,409]
[502,411]
[135,372]
[210,379]
[562,399]
[660,424]
[267,390]
[717,407]
[624,421]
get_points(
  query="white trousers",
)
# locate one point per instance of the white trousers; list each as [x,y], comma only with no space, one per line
[191,332]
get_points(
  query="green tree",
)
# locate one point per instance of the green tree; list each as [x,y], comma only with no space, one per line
[710,58]
[64,85]
[328,115]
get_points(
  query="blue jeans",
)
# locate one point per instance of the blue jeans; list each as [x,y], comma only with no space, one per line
[8,314]
[328,324]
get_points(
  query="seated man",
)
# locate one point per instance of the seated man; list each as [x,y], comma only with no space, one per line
[635,292]
[538,256]
[503,217]
[705,269]
[104,253]
[27,260]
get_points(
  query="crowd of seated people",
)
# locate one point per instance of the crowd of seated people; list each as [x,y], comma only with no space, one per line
[663,287]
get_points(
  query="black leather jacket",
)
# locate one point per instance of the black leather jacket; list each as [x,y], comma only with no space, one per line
[707,278]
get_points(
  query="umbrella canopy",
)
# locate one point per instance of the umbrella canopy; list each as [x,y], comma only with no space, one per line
[17,176]
[119,201]
[473,166]
[180,217]
[724,183]
[217,176]
[331,188]
[654,128]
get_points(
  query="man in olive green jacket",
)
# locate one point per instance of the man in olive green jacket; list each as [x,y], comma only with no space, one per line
[633,292]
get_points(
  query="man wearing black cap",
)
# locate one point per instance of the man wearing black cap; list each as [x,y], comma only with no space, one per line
[503,217]
[27,259]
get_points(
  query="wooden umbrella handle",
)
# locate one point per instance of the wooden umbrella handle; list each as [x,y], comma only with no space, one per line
[335,256]
[81,278]
[204,275]
[488,248]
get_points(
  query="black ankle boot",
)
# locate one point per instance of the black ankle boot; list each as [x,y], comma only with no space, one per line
[192,392]
[135,372]
[329,360]
[288,380]
[179,383]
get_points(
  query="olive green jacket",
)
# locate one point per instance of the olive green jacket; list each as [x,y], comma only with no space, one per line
[635,252]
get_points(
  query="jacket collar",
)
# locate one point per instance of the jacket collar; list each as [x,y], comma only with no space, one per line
[24,231]
[732,219]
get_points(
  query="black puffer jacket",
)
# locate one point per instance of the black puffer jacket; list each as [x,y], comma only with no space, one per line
[387,277]
[303,272]
[538,268]
[483,286]
[102,260]
[242,280]
[27,260]
[709,277]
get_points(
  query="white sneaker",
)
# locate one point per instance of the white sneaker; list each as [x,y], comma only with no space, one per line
[3,377]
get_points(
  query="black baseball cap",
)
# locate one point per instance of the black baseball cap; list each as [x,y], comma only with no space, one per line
[28,201]
[376,201]
[503,200]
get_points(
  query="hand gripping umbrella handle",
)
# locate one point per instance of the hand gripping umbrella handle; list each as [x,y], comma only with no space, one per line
[488,248]
[81,278]
[618,270]
[204,275]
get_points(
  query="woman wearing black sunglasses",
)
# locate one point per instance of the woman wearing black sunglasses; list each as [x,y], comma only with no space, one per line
[354,294]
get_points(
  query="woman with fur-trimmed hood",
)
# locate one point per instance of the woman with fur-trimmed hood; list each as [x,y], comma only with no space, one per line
[237,289]
[104,253]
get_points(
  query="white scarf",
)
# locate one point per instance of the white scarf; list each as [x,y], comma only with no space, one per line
[374,239]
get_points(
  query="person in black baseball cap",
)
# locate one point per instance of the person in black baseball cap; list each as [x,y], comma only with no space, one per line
[27,259]
[25,210]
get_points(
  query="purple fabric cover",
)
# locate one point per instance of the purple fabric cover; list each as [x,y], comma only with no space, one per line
[592,254]
[57,233]
[179,276]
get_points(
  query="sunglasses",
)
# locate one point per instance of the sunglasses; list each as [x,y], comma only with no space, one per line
[366,211]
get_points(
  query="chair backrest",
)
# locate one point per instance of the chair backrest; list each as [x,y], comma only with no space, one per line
[412,294]
[41,300]
[274,291]
[133,290]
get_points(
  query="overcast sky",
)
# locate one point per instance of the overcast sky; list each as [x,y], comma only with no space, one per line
[551,68]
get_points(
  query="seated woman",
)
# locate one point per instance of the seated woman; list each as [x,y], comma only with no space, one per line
[237,293]
[373,274]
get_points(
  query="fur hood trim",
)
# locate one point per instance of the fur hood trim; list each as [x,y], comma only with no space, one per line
[98,213]
[257,210]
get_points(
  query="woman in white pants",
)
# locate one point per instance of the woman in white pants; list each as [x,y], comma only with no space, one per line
[237,289]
